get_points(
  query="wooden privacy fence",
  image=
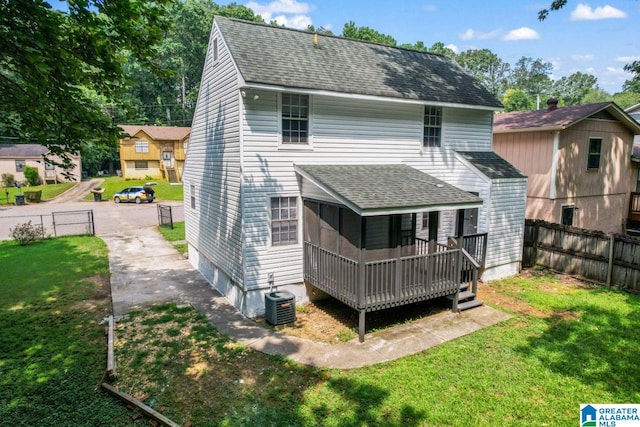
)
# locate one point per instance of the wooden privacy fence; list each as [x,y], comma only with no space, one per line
[610,259]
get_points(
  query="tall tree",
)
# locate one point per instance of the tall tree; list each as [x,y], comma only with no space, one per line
[517,100]
[352,31]
[574,88]
[532,76]
[487,68]
[440,48]
[51,60]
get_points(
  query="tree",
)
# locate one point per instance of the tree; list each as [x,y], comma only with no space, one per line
[351,31]
[440,48]
[574,88]
[596,95]
[487,68]
[517,100]
[532,76]
[48,58]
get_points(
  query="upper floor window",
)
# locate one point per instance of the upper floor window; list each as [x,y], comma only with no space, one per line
[215,49]
[20,164]
[295,118]
[595,145]
[432,126]
[284,221]
[142,146]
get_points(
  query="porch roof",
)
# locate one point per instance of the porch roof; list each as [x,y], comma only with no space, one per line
[371,190]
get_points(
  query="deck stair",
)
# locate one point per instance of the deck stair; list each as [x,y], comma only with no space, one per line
[466,298]
[173,176]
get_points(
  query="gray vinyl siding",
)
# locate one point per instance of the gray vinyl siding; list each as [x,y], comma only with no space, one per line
[213,165]
[347,131]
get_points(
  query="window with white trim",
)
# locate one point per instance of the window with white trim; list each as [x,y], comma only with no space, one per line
[595,146]
[295,118]
[192,195]
[142,146]
[284,221]
[20,164]
[215,49]
[141,164]
[432,126]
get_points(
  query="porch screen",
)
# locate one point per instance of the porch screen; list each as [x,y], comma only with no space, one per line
[329,227]
[311,224]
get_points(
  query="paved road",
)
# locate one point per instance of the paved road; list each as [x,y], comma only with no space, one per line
[109,218]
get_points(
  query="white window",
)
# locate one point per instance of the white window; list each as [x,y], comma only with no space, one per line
[192,191]
[215,50]
[284,221]
[295,118]
[20,164]
[142,146]
[432,126]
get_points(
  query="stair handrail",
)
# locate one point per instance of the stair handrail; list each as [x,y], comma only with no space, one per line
[476,266]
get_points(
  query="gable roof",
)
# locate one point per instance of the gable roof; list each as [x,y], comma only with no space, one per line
[491,165]
[386,189]
[159,133]
[287,58]
[22,151]
[558,119]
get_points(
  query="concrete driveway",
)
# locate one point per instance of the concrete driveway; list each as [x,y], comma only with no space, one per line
[109,218]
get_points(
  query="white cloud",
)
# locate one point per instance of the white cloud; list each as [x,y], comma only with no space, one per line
[587,57]
[429,8]
[584,12]
[471,34]
[627,59]
[522,33]
[612,71]
[283,9]
[590,70]
[300,22]
[453,47]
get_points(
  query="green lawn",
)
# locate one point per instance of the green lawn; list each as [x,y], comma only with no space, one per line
[48,191]
[53,295]
[572,345]
[566,344]
[164,190]
[175,235]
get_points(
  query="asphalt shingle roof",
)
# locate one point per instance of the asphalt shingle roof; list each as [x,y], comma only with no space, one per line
[285,57]
[557,119]
[159,133]
[491,165]
[19,151]
[386,187]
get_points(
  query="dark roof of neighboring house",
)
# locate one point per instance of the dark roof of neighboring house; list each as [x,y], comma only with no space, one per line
[159,133]
[368,189]
[287,58]
[20,151]
[558,119]
[491,165]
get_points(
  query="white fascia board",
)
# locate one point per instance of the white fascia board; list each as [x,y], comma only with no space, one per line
[362,97]
[472,168]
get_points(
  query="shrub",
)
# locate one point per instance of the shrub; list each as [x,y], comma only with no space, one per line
[32,176]
[27,233]
[8,180]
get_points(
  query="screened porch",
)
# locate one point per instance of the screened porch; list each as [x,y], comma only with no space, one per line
[372,259]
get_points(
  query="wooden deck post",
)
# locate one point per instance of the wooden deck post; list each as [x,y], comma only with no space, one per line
[361,324]
[612,242]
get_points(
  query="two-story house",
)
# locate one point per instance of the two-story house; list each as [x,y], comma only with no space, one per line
[319,163]
[578,160]
[153,151]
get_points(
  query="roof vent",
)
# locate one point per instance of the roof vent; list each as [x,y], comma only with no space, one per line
[552,104]
[316,44]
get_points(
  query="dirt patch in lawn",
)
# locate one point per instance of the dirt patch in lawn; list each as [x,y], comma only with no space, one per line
[332,322]
[100,299]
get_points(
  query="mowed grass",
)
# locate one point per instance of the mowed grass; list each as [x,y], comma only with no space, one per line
[53,294]
[566,344]
[163,190]
[175,236]
[48,191]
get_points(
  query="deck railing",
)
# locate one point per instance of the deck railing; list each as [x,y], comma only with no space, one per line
[634,204]
[384,283]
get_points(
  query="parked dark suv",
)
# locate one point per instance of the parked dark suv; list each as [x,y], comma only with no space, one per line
[136,194]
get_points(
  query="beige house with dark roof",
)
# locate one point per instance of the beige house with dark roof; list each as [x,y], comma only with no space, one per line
[153,151]
[322,165]
[14,158]
[578,160]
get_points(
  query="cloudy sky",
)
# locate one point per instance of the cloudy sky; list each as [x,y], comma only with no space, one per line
[597,37]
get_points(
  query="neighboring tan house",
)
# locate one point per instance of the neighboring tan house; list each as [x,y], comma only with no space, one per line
[14,158]
[153,151]
[578,160]
[344,166]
